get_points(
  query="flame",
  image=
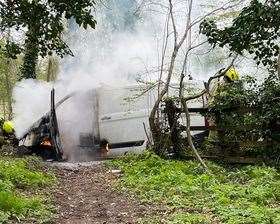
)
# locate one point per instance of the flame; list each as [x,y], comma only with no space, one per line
[46,142]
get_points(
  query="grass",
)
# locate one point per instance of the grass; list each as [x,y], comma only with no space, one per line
[244,195]
[20,178]
[177,218]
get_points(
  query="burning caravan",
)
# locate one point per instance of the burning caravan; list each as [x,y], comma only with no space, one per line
[104,122]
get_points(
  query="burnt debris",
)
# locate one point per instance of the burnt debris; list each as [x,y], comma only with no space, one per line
[43,137]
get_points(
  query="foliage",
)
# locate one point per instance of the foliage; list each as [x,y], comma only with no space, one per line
[9,69]
[269,105]
[48,68]
[43,22]
[256,30]
[248,111]
[230,108]
[233,195]
[16,177]
[177,218]
[189,218]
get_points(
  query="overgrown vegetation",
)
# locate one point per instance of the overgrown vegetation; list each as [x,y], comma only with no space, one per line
[247,113]
[46,70]
[43,23]
[230,195]
[9,69]
[256,31]
[20,178]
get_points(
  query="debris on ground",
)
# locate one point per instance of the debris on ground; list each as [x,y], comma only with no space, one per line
[73,165]
[116,171]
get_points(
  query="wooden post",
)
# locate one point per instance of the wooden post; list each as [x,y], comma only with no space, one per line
[173,125]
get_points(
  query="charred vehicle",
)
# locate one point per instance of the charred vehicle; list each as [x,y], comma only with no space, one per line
[99,123]
[42,138]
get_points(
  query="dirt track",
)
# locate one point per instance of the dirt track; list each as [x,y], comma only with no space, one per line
[85,195]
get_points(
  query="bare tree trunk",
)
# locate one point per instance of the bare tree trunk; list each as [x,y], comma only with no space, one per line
[8,83]
[9,90]
[153,121]
[52,69]
[30,59]
[278,66]
[49,70]
[188,123]
[187,113]
[189,136]
[182,87]
[154,124]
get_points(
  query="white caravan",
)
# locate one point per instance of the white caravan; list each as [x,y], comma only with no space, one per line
[119,115]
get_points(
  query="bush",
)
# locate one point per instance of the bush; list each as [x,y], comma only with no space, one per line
[248,113]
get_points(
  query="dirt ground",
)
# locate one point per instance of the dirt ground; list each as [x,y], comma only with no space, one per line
[86,195]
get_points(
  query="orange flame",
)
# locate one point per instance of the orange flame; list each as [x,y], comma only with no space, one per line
[46,142]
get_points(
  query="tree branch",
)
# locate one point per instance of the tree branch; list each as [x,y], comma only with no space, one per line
[173,23]
[219,74]
[188,25]
[222,8]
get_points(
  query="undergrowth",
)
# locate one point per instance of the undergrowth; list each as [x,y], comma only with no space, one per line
[18,179]
[232,195]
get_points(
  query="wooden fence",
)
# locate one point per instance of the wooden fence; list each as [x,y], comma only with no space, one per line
[231,148]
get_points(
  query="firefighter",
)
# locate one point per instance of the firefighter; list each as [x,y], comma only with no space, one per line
[230,77]
[8,128]
[8,133]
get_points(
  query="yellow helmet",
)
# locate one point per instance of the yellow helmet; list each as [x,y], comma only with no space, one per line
[8,127]
[232,74]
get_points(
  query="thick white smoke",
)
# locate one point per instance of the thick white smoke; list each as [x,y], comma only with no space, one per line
[113,54]
[31,101]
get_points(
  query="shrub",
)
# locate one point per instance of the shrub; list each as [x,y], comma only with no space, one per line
[248,112]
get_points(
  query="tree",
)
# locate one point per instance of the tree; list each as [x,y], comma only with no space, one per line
[8,77]
[43,24]
[256,31]
[184,40]
[48,68]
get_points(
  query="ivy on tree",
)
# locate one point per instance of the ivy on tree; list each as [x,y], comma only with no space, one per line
[255,30]
[43,23]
